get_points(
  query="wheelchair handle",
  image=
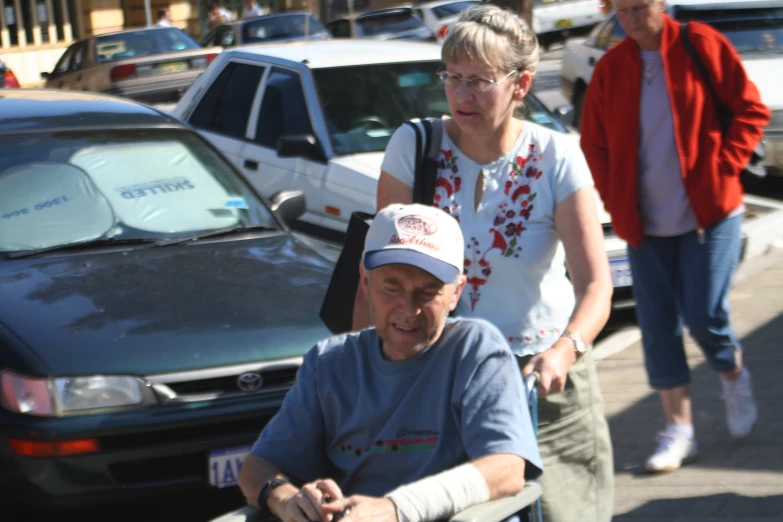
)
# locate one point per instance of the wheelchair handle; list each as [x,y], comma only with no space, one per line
[531,380]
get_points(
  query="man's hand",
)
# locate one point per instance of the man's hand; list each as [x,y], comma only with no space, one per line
[358,508]
[552,366]
[308,503]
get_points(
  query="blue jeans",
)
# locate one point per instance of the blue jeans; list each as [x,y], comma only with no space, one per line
[686,278]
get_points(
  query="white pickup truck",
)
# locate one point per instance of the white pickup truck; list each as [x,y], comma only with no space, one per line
[317,116]
[554,20]
[754,27]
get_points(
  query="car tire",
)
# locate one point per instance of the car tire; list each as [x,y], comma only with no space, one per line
[578,101]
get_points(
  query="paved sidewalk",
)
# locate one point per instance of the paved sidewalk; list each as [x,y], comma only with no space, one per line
[733,480]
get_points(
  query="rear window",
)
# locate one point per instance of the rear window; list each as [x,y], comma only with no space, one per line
[453,9]
[388,23]
[135,44]
[281,28]
[758,30]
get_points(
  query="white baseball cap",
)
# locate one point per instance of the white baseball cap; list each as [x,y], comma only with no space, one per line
[419,235]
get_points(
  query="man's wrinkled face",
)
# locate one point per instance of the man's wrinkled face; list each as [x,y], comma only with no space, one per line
[641,19]
[409,307]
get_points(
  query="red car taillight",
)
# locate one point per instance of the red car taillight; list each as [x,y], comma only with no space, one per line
[442,32]
[123,72]
[210,57]
[10,79]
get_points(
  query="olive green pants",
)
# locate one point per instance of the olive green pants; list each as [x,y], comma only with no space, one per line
[576,448]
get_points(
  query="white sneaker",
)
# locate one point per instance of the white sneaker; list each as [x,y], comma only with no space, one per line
[674,450]
[741,410]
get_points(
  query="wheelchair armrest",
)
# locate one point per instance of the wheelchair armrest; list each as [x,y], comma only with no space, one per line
[492,511]
[500,509]
[245,514]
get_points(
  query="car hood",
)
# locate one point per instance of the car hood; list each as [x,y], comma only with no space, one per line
[767,74]
[165,309]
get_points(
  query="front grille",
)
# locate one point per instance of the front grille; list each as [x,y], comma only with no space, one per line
[226,381]
[179,436]
[228,384]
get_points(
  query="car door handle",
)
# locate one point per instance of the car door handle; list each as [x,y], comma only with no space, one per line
[591,61]
[251,165]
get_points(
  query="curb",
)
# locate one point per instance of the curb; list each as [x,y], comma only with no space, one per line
[764,236]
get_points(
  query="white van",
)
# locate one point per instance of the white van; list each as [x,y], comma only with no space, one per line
[554,20]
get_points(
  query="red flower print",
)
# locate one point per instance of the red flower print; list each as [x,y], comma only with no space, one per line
[508,187]
[524,189]
[539,174]
[499,242]
[446,154]
[525,212]
[444,183]
[530,172]
[487,272]
[457,182]
[467,262]
[436,198]
[499,220]
[483,262]
[521,161]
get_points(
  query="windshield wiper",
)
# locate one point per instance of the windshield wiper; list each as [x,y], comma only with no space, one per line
[216,233]
[102,241]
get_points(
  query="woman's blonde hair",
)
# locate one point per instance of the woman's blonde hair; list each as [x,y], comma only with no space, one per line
[494,36]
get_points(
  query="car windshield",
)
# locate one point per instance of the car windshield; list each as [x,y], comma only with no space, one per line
[363,105]
[280,28]
[749,30]
[388,23]
[452,9]
[65,188]
[135,44]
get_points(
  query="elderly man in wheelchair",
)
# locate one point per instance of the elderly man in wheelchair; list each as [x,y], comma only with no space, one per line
[416,419]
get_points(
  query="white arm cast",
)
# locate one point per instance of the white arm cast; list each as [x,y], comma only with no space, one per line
[440,496]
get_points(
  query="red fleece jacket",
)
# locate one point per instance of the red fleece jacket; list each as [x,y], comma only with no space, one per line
[710,162]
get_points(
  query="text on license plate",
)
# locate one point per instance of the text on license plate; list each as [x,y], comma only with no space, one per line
[564,23]
[225,465]
[172,67]
[621,272]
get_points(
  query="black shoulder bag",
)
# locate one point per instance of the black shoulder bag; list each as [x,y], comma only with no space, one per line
[337,306]
[754,171]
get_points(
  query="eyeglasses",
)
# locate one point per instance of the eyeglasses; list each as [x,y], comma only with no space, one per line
[474,84]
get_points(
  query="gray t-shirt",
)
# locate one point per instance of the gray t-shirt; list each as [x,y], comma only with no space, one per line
[372,424]
[665,208]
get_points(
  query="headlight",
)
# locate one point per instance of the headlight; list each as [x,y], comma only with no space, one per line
[73,395]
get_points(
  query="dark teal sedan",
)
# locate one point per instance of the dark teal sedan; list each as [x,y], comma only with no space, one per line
[154,310]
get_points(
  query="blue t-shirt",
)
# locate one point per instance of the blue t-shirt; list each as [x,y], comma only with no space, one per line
[372,424]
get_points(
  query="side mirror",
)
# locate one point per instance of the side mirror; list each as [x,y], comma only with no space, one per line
[299,146]
[46,75]
[565,113]
[289,205]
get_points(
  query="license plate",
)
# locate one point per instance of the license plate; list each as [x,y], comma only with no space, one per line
[563,24]
[621,272]
[225,465]
[172,67]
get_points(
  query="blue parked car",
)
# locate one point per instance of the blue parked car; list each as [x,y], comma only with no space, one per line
[154,309]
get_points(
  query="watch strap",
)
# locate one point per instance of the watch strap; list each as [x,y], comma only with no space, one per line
[579,345]
[263,495]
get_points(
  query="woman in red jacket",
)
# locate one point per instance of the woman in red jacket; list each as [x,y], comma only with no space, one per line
[670,179]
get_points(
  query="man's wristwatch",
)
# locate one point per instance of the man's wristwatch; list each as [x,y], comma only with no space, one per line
[579,344]
[263,496]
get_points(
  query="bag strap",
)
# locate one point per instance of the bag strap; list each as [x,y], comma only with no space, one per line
[721,109]
[418,159]
[428,140]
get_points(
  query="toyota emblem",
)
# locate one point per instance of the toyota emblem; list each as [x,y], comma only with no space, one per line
[250,381]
